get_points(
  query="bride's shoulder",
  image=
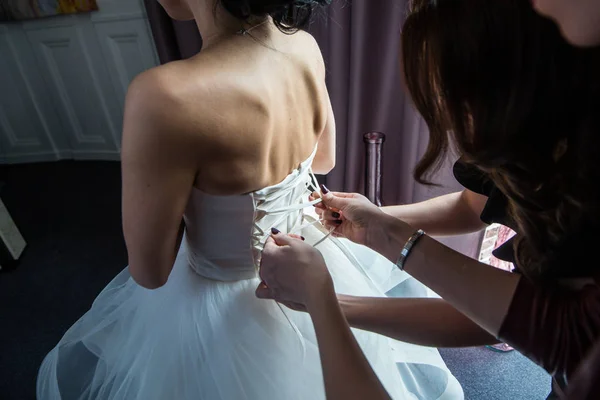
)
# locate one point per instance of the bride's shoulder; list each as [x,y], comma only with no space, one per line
[164,85]
[174,94]
[308,48]
[161,110]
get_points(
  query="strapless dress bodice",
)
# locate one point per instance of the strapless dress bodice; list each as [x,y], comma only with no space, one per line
[225,234]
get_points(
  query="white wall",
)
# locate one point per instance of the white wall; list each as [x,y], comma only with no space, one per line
[63,82]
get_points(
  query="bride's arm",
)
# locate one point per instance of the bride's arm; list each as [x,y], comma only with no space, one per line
[158,173]
[325,158]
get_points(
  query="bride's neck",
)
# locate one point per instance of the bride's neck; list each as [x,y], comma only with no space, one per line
[214,22]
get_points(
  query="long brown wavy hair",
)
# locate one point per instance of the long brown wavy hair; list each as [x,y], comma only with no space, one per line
[499,82]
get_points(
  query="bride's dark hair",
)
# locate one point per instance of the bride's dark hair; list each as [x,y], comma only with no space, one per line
[288,15]
[522,106]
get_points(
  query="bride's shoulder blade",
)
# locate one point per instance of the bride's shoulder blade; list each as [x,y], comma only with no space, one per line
[175,101]
[224,115]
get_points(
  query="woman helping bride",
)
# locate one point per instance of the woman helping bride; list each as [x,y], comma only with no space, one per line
[226,142]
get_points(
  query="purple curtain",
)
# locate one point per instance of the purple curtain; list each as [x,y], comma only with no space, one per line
[174,40]
[360,41]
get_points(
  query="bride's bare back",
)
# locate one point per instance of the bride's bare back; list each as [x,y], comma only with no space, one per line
[238,117]
[265,108]
[259,104]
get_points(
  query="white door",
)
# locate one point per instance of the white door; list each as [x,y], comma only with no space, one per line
[25,132]
[63,82]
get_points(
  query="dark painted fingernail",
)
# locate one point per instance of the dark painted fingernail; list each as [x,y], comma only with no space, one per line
[275,231]
[338,221]
[302,237]
[335,214]
[324,189]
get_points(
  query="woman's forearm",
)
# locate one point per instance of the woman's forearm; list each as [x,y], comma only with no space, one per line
[426,322]
[480,292]
[346,371]
[448,215]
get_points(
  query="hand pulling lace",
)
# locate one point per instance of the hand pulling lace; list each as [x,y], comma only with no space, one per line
[260,236]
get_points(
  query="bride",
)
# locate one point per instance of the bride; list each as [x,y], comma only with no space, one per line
[218,150]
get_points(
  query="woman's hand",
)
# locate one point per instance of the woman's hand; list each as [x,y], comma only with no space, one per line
[293,273]
[352,216]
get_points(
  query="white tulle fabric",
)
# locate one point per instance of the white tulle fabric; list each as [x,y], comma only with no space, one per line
[204,335]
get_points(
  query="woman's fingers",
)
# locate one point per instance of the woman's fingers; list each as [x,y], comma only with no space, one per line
[284,240]
[329,225]
[263,291]
[331,215]
[323,211]
[293,306]
[337,234]
[343,195]
[336,203]
[296,236]
[314,196]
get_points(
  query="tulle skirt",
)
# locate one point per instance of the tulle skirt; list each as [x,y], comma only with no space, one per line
[197,338]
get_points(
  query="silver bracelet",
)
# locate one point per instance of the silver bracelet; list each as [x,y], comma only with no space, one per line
[407,248]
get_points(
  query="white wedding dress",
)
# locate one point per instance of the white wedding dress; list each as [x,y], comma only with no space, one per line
[205,336]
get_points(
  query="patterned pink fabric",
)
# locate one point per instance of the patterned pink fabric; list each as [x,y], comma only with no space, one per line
[504,234]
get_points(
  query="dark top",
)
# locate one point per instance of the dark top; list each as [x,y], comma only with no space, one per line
[553,326]
[585,384]
[495,208]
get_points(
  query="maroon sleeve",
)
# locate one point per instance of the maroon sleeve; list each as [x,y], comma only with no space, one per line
[585,384]
[555,328]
